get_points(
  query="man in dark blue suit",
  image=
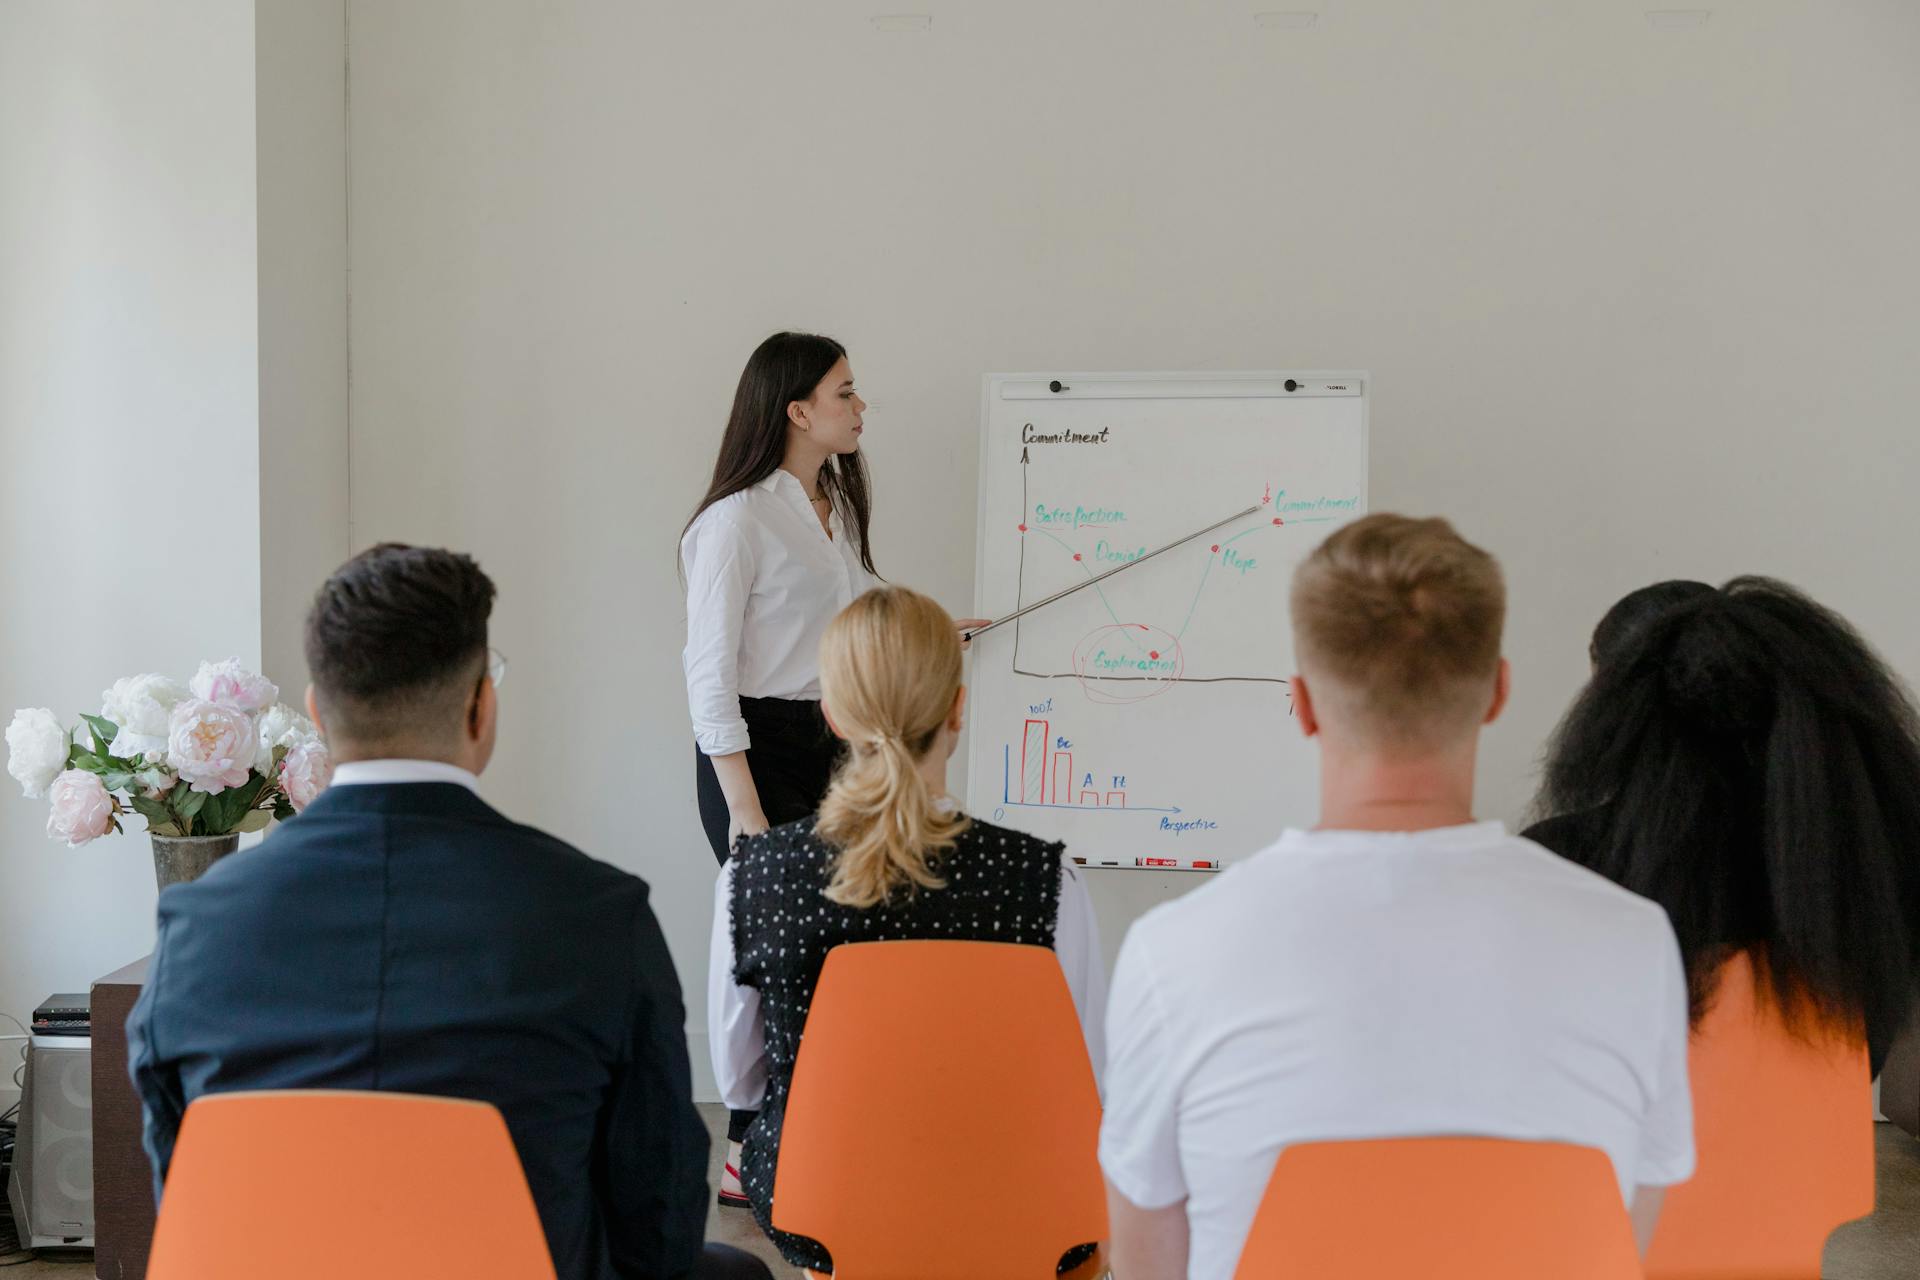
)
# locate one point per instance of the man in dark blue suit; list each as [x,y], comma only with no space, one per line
[401,935]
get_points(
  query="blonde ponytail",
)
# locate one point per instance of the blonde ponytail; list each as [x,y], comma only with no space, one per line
[889,672]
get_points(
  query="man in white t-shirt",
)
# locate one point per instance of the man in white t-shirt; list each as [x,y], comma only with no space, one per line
[1401,969]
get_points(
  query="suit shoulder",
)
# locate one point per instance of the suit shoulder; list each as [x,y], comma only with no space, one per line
[572,861]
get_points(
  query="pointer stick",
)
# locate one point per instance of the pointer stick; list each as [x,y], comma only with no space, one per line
[1119,568]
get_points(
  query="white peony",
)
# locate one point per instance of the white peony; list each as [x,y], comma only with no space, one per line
[232,685]
[211,745]
[37,745]
[307,772]
[281,727]
[140,705]
[82,808]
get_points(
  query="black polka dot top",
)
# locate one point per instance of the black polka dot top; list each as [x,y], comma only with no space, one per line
[1002,886]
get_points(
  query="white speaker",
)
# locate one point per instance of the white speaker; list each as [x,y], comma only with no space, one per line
[51,1187]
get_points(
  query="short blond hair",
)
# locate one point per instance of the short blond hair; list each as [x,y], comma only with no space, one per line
[1396,626]
[889,672]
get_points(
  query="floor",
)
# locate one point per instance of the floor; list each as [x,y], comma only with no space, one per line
[1885,1246]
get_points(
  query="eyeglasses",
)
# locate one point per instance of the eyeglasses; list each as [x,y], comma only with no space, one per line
[496,666]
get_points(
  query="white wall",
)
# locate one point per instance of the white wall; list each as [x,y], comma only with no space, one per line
[129,457]
[1637,303]
[301,51]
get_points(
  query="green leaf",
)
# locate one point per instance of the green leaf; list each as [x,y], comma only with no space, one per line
[153,811]
[104,732]
[256,820]
[117,779]
[283,810]
[247,794]
[88,761]
[213,815]
[186,802]
[222,814]
[74,753]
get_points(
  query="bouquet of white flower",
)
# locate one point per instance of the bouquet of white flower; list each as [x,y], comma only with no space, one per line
[218,757]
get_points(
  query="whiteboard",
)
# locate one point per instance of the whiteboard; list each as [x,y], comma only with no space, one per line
[1145,720]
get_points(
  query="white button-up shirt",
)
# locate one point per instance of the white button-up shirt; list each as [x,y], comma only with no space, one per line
[763,581]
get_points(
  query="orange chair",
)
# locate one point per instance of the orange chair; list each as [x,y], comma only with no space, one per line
[943,1120]
[315,1185]
[1783,1129]
[1441,1209]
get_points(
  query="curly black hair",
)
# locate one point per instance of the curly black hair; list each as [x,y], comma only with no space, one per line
[1749,763]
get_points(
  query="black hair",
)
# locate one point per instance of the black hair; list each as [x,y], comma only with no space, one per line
[396,634]
[784,368]
[1751,765]
[1633,611]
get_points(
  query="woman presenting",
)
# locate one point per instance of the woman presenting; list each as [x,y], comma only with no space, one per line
[776,548]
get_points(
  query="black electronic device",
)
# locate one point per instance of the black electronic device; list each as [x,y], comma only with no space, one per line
[69,1014]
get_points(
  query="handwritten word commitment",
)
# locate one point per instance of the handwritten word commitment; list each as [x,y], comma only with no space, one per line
[1030,436]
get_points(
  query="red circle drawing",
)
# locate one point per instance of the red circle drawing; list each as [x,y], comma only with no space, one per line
[1216,546]
[1128,662]
[1023,528]
[1076,555]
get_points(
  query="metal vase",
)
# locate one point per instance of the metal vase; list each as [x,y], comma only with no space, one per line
[178,859]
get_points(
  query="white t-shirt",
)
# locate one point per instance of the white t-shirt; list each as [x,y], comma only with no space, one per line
[1354,984]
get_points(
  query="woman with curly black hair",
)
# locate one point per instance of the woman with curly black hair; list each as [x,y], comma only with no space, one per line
[1743,758]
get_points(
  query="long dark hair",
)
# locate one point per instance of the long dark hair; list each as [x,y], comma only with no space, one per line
[1752,766]
[785,368]
[1631,613]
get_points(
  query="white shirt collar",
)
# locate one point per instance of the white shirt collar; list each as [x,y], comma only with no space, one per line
[784,481]
[1465,836]
[385,772]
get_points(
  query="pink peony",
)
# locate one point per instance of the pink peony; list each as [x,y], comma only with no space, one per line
[306,772]
[210,745]
[232,685]
[82,809]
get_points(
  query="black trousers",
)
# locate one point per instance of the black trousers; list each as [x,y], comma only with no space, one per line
[792,760]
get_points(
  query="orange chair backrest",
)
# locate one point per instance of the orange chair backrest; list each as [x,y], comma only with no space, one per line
[943,1119]
[1441,1209]
[1783,1131]
[315,1185]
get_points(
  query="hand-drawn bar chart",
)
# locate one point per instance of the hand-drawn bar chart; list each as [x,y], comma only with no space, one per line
[1042,775]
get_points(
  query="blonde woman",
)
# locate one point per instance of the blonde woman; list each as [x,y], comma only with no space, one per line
[888,856]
